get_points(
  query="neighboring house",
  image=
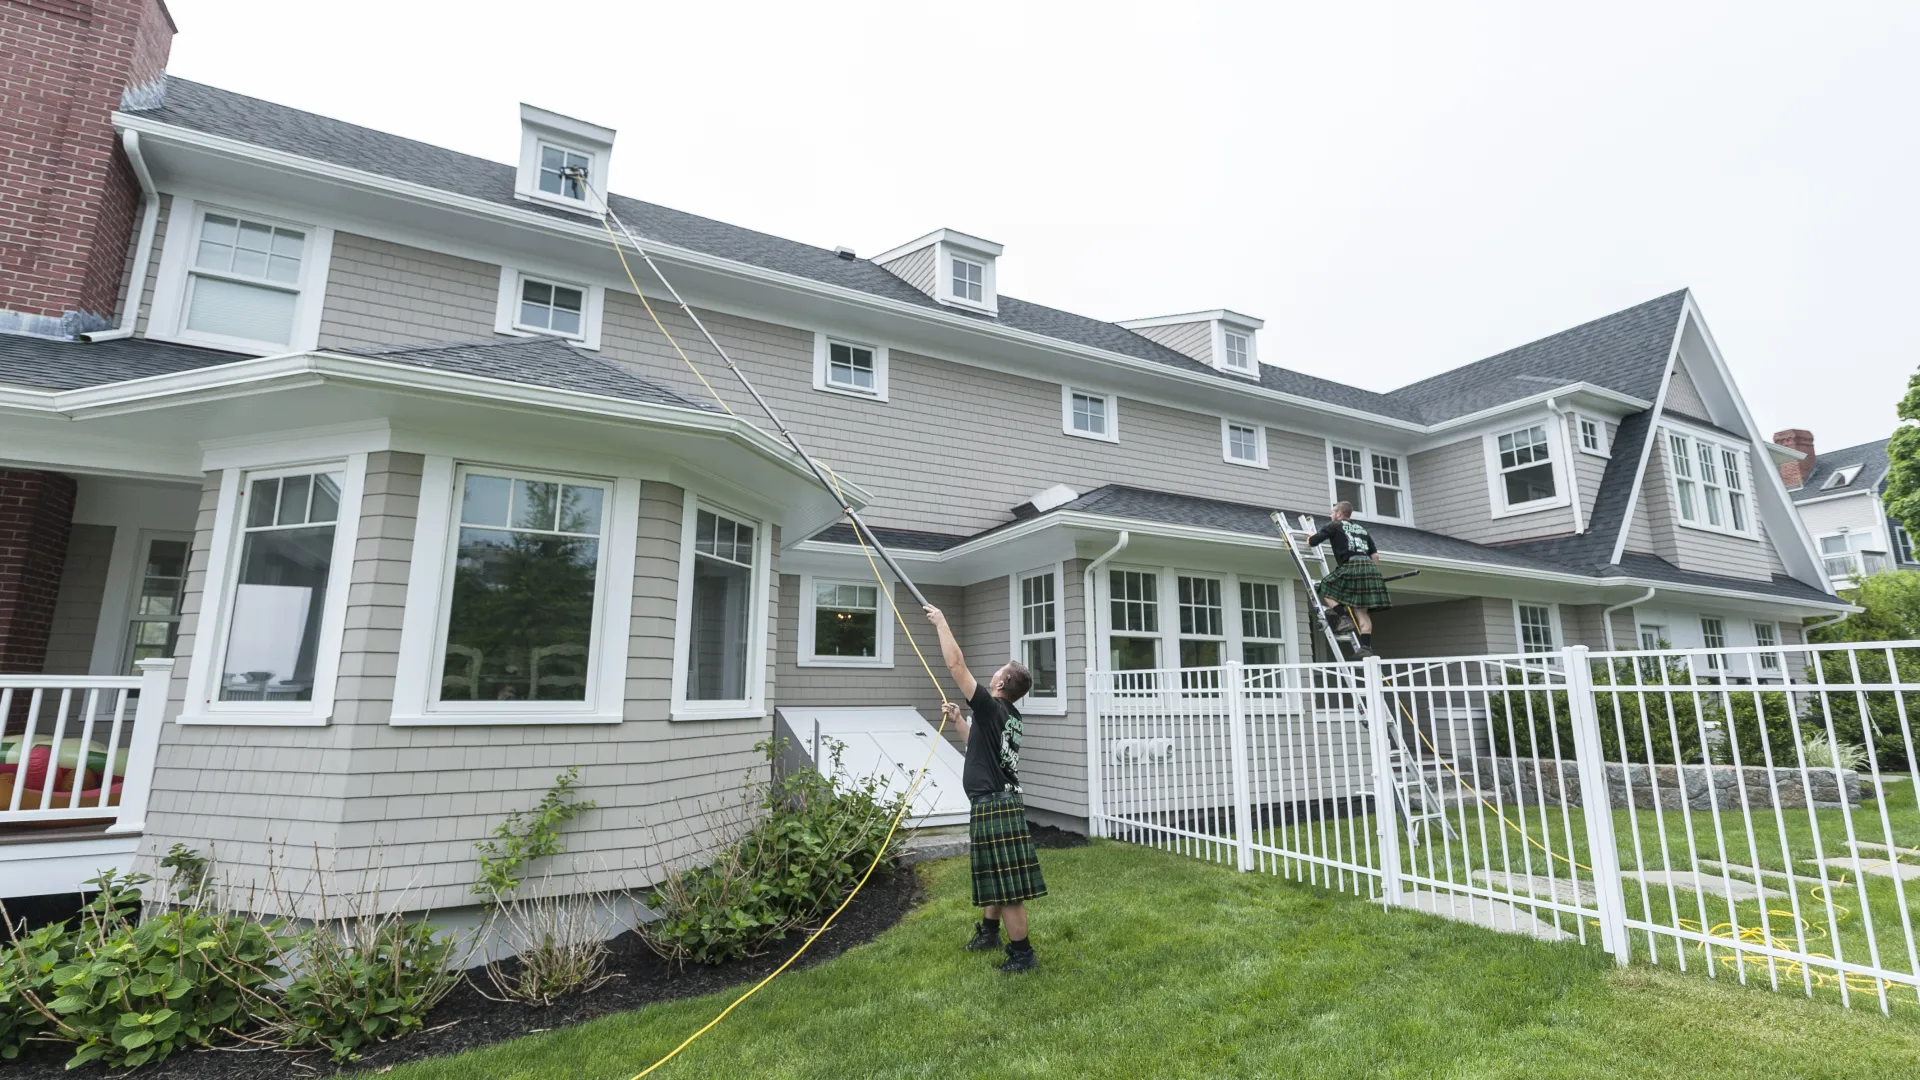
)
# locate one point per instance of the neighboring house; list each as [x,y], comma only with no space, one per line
[302,406]
[1838,494]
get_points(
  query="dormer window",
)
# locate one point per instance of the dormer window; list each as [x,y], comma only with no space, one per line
[969,280]
[1221,339]
[1238,355]
[563,161]
[1841,478]
[562,172]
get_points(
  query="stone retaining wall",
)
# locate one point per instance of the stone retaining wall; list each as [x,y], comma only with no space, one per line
[1531,782]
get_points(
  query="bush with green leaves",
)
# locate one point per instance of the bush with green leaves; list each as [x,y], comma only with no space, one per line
[808,842]
[528,835]
[365,979]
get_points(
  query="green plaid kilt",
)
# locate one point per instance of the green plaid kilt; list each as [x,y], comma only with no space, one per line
[1357,584]
[1006,869]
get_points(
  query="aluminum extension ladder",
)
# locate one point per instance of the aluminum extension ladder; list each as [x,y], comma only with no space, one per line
[1409,779]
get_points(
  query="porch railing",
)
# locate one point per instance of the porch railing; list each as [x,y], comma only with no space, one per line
[79,750]
[1750,813]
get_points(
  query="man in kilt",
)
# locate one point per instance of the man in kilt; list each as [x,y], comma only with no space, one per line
[1355,585]
[1006,870]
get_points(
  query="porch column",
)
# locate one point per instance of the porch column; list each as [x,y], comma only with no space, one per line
[36,517]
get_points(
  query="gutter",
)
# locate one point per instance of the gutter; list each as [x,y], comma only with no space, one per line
[1573,471]
[1606,615]
[1824,623]
[143,250]
[1086,684]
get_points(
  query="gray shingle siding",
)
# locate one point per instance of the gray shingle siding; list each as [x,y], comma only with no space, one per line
[1191,339]
[905,683]
[1683,396]
[76,608]
[161,228]
[915,268]
[1451,496]
[381,294]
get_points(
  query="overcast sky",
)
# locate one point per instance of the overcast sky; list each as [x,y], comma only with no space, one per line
[1396,188]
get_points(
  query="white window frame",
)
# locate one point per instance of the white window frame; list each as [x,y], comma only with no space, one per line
[538,128]
[823,344]
[1227,337]
[1603,447]
[186,218]
[209,645]
[1714,663]
[1705,493]
[430,599]
[1659,632]
[1259,443]
[1366,510]
[1769,662]
[1167,604]
[1553,621]
[130,610]
[1285,618]
[587,195]
[1841,477]
[1902,544]
[506,316]
[955,260]
[1221,328]
[882,625]
[754,705]
[1112,434]
[1041,706]
[1557,460]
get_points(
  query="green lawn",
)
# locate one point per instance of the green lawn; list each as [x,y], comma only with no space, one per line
[1160,965]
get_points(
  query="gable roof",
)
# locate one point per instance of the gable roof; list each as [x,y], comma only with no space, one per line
[1871,457]
[1622,352]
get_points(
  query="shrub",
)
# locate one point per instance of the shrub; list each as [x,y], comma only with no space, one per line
[365,979]
[559,943]
[526,836]
[807,847]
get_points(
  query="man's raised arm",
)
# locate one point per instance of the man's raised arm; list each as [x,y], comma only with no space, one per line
[950,652]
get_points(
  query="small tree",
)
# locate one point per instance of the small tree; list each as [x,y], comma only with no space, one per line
[1902,493]
[1892,602]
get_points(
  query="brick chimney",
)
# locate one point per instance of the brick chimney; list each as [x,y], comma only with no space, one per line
[1795,473]
[68,196]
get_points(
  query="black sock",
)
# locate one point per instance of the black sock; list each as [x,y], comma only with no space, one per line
[991,926]
[1019,945]
[1366,641]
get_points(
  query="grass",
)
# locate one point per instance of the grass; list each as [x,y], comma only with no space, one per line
[1158,965]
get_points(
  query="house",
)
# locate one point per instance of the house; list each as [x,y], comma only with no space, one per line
[1838,495]
[299,415]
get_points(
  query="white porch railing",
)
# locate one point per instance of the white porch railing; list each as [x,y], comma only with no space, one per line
[79,749]
[1750,813]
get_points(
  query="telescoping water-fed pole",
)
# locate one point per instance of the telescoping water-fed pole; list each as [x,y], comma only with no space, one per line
[579,175]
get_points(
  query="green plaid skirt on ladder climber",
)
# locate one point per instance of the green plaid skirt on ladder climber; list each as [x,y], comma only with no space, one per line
[1006,869]
[1357,584]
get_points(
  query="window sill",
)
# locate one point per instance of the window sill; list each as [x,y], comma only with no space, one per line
[225,344]
[724,712]
[1531,508]
[578,206]
[848,391]
[575,340]
[875,663]
[496,719]
[1091,435]
[1043,708]
[1728,533]
[1245,464]
[1596,453]
[254,719]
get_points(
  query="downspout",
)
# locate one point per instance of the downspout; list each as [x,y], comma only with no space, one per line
[1086,686]
[143,250]
[1573,477]
[1824,623]
[1606,614]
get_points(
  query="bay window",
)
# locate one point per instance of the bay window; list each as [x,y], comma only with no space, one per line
[1203,631]
[719,617]
[1037,635]
[1262,623]
[1134,629]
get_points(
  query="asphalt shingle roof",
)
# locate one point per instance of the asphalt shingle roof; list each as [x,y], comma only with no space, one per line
[535,361]
[1625,351]
[49,364]
[1871,457]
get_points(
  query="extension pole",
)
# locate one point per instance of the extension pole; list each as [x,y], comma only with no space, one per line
[786,433]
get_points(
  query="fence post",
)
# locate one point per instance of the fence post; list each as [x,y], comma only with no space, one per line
[1386,798]
[1236,692]
[1597,803]
[1096,802]
[143,749]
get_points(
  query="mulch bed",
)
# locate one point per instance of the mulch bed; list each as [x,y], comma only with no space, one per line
[466,1019]
[1046,836]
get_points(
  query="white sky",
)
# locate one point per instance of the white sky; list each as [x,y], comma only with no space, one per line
[1396,188]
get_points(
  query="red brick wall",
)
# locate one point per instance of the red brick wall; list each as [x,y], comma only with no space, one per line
[68,197]
[36,517]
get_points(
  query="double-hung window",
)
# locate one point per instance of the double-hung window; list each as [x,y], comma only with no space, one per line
[527,554]
[845,624]
[1089,414]
[1243,444]
[243,283]
[154,625]
[1836,552]
[1203,630]
[1767,636]
[1372,481]
[1713,635]
[1593,435]
[1037,632]
[1262,623]
[1539,628]
[1524,463]
[1134,628]
[1902,543]
[1710,484]
[564,172]
[1653,638]
[969,280]
[720,614]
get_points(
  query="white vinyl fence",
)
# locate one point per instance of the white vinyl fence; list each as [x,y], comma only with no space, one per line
[1747,813]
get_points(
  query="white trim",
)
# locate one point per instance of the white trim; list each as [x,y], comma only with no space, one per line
[945,254]
[167,318]
[540,127]
[1559,461]
[1366,510]
[1221,315]
[119,612]
[1039,706]
[506,314]
[1605,449]
[1259,443]
[823,343]
[1220,331]
[1553,619]
[1167,611]
[1647,445]
[959,239]
[217,589]
[1112,434]
[430,594]
[1666,432]
[883,625]
[755,703]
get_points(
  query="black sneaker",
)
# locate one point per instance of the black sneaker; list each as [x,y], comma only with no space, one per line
[1017,962]
[1365,651]
[1341,622]
[983,938]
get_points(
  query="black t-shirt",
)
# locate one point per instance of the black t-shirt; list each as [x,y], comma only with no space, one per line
[993,745]
[1349,539]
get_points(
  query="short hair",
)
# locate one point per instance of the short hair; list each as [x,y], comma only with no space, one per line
[1343,507]
[1019,681]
